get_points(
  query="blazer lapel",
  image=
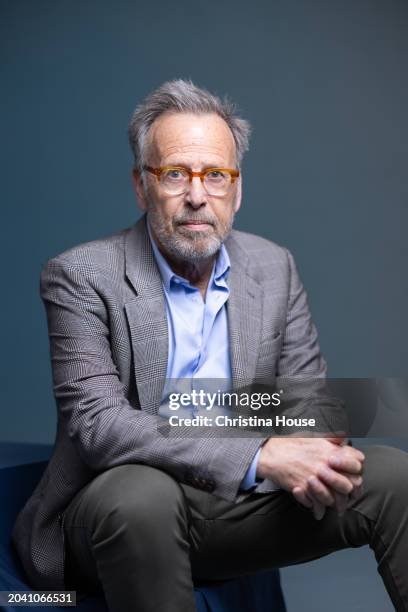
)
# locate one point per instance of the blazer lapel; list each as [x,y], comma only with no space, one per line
[147,320]
[244,308]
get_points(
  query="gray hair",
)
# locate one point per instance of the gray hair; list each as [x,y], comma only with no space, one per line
[181,96]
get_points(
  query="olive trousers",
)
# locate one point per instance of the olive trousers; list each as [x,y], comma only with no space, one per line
[142,537]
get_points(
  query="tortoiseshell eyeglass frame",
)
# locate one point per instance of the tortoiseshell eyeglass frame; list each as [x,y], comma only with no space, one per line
[234,174]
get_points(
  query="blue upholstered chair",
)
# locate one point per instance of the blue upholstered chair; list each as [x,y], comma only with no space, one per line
[21,466]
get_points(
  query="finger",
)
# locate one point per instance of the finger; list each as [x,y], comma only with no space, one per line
[357,493]
[318,490]
[300,495]
[317,508]
[358,454]
[346,449]
[345,463]
[356,481]
[354,452]
[338,482]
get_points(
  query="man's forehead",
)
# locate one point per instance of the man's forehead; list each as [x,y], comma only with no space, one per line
[185,134]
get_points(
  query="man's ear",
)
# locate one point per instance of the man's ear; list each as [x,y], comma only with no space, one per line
[239,195]
[139,188]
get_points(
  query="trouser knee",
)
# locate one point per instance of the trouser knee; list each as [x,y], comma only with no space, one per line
[129,530]
[136,498]
[385,475]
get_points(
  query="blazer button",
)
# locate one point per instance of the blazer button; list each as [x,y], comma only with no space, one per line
[201,482]
[210,486]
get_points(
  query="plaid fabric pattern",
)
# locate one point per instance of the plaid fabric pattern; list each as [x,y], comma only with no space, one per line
[108,345]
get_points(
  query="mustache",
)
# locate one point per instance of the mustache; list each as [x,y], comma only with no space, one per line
[200,218]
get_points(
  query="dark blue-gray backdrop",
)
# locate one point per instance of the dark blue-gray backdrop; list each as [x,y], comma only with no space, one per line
[325,87]
[324,84]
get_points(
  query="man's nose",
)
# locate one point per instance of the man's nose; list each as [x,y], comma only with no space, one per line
[196,195]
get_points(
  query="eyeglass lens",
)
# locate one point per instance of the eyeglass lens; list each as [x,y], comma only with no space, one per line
[176,181]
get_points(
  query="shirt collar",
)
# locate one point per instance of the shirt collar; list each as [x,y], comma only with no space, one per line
[219,274]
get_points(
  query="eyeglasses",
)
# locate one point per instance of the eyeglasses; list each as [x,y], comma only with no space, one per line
[175,180]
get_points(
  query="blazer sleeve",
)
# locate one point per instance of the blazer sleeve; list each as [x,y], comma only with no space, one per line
[95,412]
[300,354]
[302,369]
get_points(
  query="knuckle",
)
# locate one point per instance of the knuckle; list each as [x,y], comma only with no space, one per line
[344,486]
[311,483]
[314,490]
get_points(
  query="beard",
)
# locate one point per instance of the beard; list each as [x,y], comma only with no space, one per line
[186,244]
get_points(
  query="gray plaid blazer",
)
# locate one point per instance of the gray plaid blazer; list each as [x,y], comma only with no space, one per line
[109,341]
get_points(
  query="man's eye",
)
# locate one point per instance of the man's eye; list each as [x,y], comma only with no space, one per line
[215,176]
[174,175]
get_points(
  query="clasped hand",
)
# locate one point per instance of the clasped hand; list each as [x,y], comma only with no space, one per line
[319,472]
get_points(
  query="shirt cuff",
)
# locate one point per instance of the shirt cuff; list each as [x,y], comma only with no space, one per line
[250,480]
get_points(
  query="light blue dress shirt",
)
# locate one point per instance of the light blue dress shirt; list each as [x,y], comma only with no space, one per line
[198,330]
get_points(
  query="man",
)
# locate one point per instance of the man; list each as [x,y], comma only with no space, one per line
[182,296]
